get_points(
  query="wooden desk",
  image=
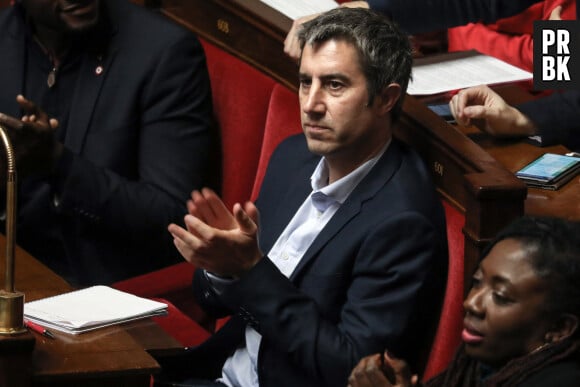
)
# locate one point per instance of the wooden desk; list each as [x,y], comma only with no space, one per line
[113,356]
[514,154]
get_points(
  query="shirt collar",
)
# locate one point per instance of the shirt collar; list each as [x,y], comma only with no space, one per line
[339,190]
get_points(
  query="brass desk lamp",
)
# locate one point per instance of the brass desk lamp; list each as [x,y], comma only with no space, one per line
[11,302]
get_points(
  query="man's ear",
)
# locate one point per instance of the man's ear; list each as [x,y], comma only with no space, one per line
[388,97]
[564,327]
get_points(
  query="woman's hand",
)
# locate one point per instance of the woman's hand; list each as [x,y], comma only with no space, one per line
[382,370]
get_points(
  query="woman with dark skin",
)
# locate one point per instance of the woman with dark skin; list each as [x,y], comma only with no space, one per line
[521,316]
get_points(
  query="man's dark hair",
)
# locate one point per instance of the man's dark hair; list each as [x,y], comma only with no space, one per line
[384,51]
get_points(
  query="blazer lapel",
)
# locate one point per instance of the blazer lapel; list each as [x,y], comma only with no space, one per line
[366,189]
[92,75]
[94,69]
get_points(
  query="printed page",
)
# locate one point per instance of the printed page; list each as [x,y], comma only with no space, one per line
[459,73]
[295,9]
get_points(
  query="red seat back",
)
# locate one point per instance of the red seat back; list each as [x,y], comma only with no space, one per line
[283,120]
[241,96]
[448,334]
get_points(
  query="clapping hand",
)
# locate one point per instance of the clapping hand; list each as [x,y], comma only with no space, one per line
[222,242]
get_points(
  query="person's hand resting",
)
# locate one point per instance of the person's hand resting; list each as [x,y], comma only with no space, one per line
[222,242]
[484,108]
[291,43]
[556,13]
[381,370]
[33,139]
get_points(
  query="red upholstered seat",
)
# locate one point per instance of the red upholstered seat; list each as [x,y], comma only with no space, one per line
[448,334]
[283,120]
[185,330]
[241,97]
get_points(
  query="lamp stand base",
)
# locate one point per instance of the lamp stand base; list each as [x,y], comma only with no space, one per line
[11,313]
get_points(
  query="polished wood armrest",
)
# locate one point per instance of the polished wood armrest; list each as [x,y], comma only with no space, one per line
[515,153]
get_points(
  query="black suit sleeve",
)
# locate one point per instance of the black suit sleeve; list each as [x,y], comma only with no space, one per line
[415,16]
[557,118]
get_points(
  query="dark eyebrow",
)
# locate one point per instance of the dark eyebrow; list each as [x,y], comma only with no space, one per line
[337,76]
[328,77]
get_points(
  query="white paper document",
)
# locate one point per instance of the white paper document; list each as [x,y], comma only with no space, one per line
[459,73]
[295,9]
[90,308]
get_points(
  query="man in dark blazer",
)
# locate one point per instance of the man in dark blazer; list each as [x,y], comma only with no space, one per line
[130,92]
[352,251]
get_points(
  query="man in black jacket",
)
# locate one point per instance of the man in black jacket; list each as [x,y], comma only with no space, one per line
[130,94]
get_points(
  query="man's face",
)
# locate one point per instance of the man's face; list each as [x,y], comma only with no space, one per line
[68,16]
[336,118]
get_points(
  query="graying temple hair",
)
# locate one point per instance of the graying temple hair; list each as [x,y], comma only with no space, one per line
[384,51]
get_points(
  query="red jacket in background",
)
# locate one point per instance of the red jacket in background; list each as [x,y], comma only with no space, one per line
[508,39]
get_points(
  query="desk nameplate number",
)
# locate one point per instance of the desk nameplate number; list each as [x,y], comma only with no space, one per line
[223,26]
[438,168]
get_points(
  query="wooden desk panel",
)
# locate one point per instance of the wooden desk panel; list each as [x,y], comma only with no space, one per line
[489,195]
[249,29]
[113,356]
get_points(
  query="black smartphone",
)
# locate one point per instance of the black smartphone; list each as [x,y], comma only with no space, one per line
[442,110]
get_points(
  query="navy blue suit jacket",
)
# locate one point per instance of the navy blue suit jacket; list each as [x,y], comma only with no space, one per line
[138,141]
[372,279]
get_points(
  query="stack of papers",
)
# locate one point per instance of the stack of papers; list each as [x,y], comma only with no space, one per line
[91,308]
[295,9]
[453,71]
